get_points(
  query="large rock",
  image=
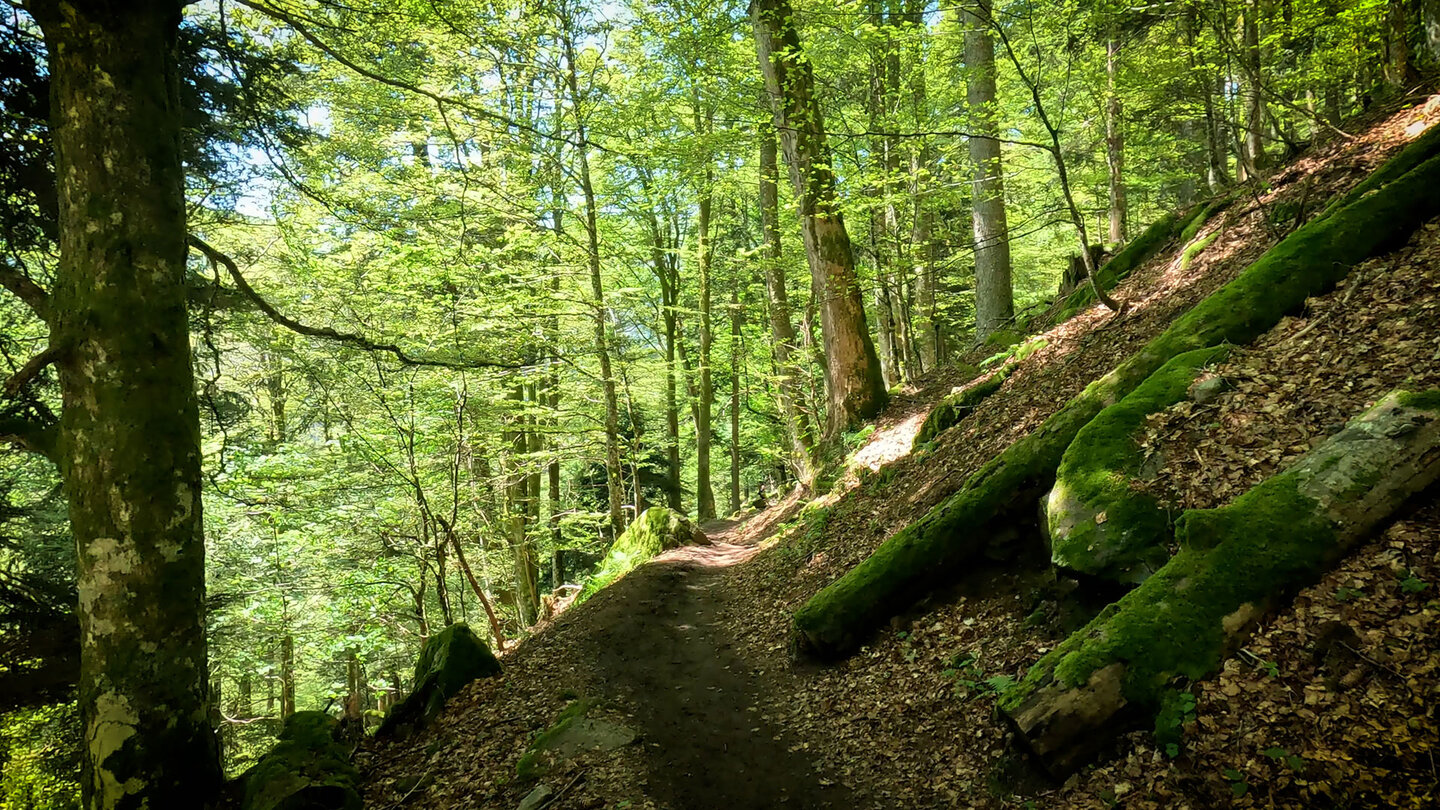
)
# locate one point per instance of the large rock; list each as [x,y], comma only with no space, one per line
[449,661]
[657,529]
[308,769]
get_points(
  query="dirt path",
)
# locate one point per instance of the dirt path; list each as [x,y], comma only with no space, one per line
[659,651]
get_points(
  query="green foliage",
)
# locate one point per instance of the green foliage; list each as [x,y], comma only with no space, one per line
[40,759]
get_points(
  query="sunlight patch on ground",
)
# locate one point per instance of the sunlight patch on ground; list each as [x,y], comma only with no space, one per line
[890,443]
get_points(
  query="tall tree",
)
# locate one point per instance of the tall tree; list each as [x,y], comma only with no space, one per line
[994,294]
[129,444]
[854,384]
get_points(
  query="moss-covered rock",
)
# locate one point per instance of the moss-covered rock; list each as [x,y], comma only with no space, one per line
[573,733]
[1235,563]
[1098,523]
[449,661]
[308,769]
[657,529]
[1309,262]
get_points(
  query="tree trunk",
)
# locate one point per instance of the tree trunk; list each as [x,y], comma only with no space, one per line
[782,332]
[1235,564]
[287,676]
[994,296]
[597,291]
[129,433]
[517,514]
[854,385]
[704,491]
[736,319]
[1115,143]
[1253,153]
[925,323]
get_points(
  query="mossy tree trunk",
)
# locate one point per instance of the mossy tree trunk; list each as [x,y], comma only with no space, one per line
[854,385]
[1236,562]
[1309,262]
[130,435]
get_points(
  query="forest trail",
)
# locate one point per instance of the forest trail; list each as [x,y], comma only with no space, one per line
[660,650]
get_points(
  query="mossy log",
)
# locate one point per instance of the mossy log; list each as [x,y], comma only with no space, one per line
[1098,523]
[308,769]
[449,661]
[1236,562]
[1309,262]
[1141,248]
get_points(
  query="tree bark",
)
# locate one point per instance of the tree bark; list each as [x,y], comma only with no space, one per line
[129,432]
[1253,153]
[925,323]
[994,295]
[1115,143]
[613,484]
[782,332]
[736,321]
[704,491]
[854,385]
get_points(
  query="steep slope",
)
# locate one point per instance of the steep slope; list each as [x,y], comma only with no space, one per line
[1332,702]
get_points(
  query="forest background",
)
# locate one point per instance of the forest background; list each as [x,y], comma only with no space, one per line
[522,278]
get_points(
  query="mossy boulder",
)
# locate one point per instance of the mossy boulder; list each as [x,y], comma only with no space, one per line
[576,731]
[449,661]
[308,769]
[658,529]
[1236,562]
[1309,262]
[1098,523]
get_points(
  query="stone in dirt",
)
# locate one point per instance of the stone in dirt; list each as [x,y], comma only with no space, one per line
[574,733]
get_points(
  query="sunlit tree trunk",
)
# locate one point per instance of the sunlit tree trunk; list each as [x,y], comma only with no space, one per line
[925,323]
[129,436]
[517,511]
[994,295]
[736,321]
[854,387]
[1115,143]
[782,332]
[1253,158]
[613,485]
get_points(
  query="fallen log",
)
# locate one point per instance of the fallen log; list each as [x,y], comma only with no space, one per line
[1236,563]
[1309,262]
[1097,522]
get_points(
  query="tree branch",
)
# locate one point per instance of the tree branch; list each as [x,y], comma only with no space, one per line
[30,371]
[26,290]
[325,332]
[32,436]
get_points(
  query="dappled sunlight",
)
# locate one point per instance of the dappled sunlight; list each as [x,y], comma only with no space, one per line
[889,443]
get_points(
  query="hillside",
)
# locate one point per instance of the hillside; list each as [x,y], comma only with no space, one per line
[1330,703]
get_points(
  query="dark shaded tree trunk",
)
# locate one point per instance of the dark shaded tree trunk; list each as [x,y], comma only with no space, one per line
[736,321]
[130,435]
[994,295]
[854,386]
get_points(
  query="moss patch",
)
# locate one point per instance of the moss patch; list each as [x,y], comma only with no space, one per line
[1194,249]
[1098,523]
[449,661]
[1140,249]
[308,767]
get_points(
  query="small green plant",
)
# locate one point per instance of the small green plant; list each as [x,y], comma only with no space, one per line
[1271,668]
[1238,785]
[1176,710]
[1292,761]
[1343,594]
[1412,584]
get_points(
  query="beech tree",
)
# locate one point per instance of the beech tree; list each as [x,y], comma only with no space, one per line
[129,440]
[854,382]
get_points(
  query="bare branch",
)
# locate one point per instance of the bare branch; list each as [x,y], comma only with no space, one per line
[26,290]
[326,333]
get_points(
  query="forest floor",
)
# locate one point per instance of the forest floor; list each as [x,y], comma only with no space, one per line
[1331,704]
